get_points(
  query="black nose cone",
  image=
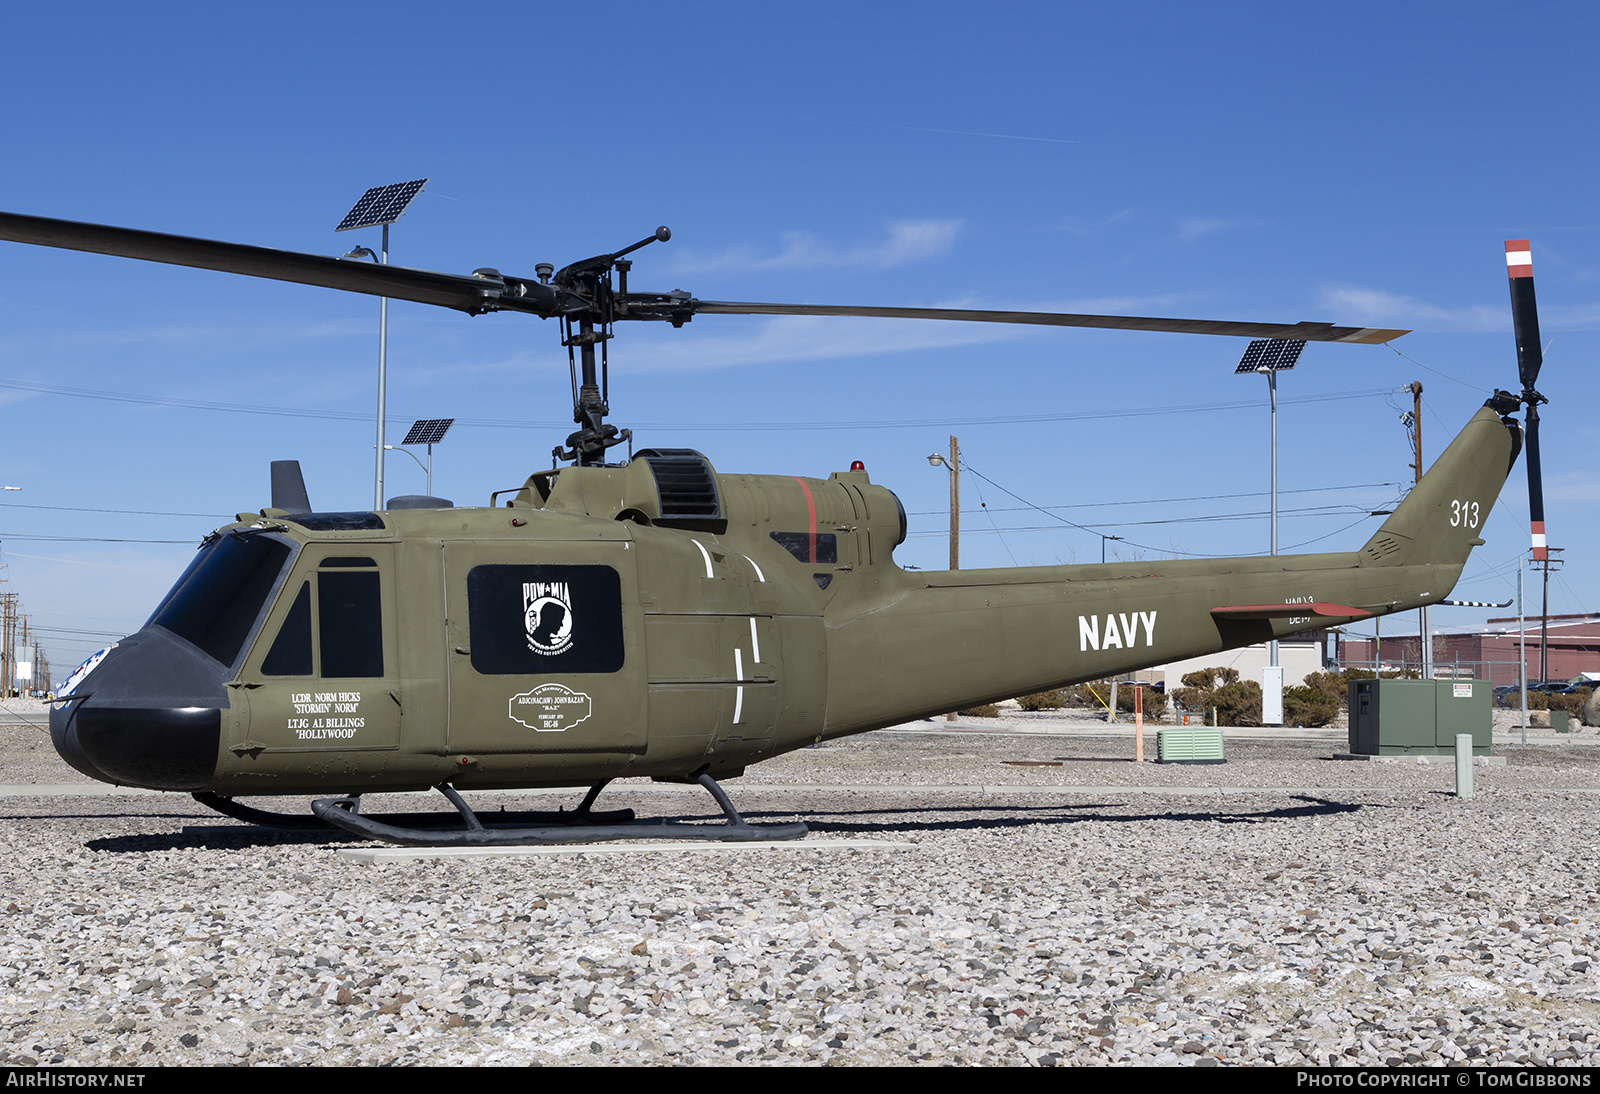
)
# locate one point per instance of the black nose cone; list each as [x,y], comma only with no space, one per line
[150,714]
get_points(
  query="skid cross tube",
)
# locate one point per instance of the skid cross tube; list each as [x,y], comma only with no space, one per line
[346,813]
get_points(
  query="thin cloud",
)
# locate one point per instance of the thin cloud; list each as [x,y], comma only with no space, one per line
[1083,226]
[250,335]
[813,338]
[1374,307]
[1356,304]
[1195,227]
[908,241]
[1572,487]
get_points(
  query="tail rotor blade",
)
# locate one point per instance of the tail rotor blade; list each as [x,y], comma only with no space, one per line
[1535,484]
[1530,356]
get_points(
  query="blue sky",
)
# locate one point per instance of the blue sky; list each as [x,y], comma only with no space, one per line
[1361,164]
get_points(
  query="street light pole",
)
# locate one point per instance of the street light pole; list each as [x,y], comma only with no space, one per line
[383,376]
[1269,355]
[1272,389]
[380,205]
[952,463]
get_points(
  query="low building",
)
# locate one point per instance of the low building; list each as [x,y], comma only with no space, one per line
[1298,657]
[1488,651]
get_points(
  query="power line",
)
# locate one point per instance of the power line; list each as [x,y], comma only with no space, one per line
[1165,501]
[118,512]
[723,426]
[1309,511]
[86,539]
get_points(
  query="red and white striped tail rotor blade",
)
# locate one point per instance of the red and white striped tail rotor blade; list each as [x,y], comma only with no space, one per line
[1530,356]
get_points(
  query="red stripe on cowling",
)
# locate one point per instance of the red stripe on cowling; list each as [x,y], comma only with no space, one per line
[811,512]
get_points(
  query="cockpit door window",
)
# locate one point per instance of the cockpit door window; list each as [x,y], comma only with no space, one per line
[350,623]
[291,650]
[217,603]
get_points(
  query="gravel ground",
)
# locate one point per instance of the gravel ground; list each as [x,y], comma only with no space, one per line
[1364,916]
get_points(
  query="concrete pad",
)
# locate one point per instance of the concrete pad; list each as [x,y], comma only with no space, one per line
[1450,759]
[73,790]
[1086,728]
[372,855]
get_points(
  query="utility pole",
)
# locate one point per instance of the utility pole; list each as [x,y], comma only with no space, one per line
[1522,646]
[8,639]
[952,463]
[1414,427]
[955,504]
[1544,616]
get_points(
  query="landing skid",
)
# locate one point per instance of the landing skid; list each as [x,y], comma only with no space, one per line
[230,807]
[581,826]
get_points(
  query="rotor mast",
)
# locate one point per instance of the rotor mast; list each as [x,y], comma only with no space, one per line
[590,280]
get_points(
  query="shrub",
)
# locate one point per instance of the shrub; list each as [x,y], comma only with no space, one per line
[1572,704]
[1094,694]
[1155,703]
[1310,706]
[1537,700]
[1042,700]
[984,710]
[1238,703]
[1210,678]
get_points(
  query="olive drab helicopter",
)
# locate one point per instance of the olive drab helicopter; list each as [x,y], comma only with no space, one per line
[657,616]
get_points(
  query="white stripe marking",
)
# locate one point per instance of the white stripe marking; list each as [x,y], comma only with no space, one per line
[1538,539]
[706,555]
[759,575]
[755,643]
[738,692]
[1519,258]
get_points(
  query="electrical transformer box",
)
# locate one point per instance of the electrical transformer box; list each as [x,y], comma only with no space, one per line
[1419,717]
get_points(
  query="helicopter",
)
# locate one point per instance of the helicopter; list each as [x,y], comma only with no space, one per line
[655,616]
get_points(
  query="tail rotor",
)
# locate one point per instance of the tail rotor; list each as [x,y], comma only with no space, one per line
[1525,320]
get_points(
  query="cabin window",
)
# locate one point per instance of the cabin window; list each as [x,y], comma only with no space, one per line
[215,606]
[810,547]
[291,650]
[525,620]
[350,623]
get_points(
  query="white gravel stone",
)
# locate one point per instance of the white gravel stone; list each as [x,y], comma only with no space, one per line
[1367,916]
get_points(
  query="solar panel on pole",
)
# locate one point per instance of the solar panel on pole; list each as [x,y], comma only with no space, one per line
[381,205]
[1270,355]
[428,431]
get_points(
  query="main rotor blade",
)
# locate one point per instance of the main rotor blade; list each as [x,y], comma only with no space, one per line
[1524,311]
[464,293]
[1311,332]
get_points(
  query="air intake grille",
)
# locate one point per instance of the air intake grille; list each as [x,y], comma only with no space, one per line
[685,482]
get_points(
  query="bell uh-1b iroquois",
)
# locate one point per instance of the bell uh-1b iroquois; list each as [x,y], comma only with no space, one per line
[658,617]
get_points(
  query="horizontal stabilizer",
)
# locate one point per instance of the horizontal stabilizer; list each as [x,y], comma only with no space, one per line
[1289,611]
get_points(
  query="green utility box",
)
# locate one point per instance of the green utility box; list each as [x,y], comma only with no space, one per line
[1189,746]
[1419,717]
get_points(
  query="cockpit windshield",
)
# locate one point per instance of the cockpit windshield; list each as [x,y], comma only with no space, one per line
[216,602]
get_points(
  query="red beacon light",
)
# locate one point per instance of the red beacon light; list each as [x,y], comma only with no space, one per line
[857,465]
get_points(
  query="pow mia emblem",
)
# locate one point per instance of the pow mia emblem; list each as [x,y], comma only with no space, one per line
[547,616]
